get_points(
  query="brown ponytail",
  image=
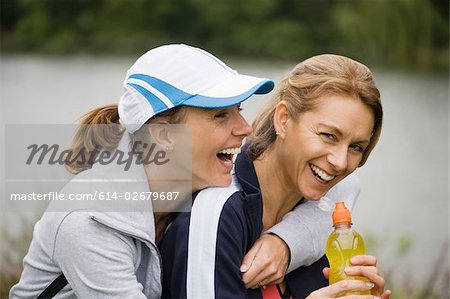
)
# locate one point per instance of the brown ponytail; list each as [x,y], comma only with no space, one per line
[107,114]
[99,129]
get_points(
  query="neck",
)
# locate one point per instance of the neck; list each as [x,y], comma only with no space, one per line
[161,222]
[278,198]
[176,192]
[163,209]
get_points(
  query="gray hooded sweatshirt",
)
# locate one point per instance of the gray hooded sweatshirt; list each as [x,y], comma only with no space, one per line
[105,249]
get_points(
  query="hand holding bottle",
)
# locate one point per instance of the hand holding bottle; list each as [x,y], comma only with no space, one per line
[343,244]
[361,265]
[352,274]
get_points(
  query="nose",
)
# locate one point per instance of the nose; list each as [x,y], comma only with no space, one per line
[241,127]
[338,158]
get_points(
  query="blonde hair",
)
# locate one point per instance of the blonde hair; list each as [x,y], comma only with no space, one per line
[313,78]
[91,136]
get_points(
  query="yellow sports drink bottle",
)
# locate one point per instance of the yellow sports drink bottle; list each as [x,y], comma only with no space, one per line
[343,243]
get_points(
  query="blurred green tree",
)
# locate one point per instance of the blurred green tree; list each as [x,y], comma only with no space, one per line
[401,33]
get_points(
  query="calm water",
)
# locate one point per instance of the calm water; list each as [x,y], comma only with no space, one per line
[405,182]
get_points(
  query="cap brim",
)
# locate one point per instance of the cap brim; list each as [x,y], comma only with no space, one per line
[233,91]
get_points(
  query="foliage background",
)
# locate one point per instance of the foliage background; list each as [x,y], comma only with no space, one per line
[395,33]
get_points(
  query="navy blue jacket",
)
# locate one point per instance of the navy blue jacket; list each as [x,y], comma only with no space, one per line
[239,226]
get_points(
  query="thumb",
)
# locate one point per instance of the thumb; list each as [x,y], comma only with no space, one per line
[248,259]
[326,272]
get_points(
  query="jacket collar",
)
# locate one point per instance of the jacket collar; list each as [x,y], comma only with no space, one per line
[245,172]
[246,176]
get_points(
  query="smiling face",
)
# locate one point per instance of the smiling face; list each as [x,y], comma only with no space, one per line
[217,136]
[324,145]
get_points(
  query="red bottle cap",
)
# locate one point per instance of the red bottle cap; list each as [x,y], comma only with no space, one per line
[341,213]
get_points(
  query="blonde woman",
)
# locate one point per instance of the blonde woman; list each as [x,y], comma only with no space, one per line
[322,124]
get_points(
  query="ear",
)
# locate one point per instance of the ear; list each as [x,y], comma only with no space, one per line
[280,119]
[162,136]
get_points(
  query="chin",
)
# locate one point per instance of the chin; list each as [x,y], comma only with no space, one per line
[313,195]
[216,182]
[223,181]
[313,198]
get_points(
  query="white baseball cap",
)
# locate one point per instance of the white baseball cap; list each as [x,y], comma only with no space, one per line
[175,75]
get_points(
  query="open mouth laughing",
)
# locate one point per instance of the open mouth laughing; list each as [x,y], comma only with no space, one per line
[320,174]
[226,155]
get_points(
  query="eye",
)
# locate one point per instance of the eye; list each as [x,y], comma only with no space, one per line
[328,136]
[357,148]
[221,114]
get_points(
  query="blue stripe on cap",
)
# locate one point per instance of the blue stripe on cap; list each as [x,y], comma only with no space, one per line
[175,95]
[212,102]
[154,101]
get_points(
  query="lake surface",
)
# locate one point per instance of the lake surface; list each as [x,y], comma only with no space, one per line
[405,181]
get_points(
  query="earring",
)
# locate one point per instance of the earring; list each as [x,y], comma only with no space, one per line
[169,149]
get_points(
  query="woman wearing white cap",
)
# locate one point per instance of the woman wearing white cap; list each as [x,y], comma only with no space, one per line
[321,125]
[107,249]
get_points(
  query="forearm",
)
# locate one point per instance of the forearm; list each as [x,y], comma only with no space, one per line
[305,231]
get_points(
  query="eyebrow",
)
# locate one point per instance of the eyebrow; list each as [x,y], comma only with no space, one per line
[338,132]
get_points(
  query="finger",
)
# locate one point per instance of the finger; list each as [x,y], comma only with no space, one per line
[369,272]
[386,294]
[273,274]
[265,275]
[259,270]
[344,286]
[326,272]
[361,270]
[272,279]
[358,297]
[364,260]
[254,283]
[248,267]
[260,281]
[269,263]
[250,257]
[254,275]
[372,274]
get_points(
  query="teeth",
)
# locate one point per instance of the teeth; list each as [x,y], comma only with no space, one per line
[321,173]
[231,151]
